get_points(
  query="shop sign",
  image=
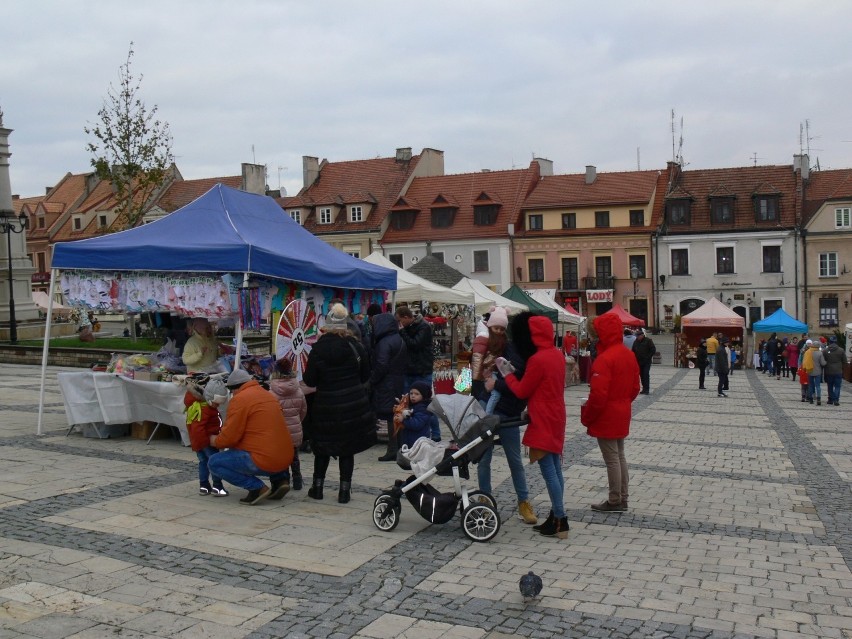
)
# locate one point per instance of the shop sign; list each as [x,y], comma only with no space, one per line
[603,295]
[39,278]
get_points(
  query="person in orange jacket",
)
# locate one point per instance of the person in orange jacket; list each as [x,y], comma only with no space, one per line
[607,412]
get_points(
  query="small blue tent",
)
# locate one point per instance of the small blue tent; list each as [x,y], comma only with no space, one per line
[779,322]
[226,231]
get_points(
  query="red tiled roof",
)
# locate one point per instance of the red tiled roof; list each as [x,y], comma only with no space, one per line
[378,181]
[182,192]
[509,188]
[608,189]
[19,203]
[741,183]
[824,186]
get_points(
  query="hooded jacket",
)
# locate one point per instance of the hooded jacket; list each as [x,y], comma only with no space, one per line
[418,340]
[835,359]
[614,383]
[543,384]
[389,359]
[291,397]
[813,361]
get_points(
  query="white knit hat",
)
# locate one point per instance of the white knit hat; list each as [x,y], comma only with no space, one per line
[499,317]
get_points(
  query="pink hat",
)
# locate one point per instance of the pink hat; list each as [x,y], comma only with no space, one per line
[499,317]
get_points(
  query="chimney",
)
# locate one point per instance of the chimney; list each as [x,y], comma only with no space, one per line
[403,154]
[310,170]
[591,174]
[802,164]
[674,173]
[253,178]
[545,167]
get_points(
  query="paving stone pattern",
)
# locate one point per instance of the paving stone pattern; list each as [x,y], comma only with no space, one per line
[739,526]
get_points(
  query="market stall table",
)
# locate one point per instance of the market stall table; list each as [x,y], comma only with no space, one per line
[106,398]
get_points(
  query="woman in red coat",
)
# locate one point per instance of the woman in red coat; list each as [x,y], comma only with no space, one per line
[606,414]
[543,385]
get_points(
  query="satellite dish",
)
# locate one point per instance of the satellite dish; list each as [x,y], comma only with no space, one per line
[457,258]
[415,259]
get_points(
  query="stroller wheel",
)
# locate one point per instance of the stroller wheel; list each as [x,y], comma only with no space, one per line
[481,497]
[480,522]
[385,514]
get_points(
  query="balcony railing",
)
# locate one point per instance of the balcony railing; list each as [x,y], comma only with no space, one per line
[597,283]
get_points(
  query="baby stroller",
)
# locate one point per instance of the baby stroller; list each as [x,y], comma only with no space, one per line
[479,517]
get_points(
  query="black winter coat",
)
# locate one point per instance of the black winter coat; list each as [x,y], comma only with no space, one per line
[702,357]
[509,405]
[341,419]
[388,360]
[418,339]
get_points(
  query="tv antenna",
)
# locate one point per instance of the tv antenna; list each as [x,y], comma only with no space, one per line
[677,156]
[755,158]
[280,168]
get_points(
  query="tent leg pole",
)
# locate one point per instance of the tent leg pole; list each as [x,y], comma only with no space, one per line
[45,348]
[238,331]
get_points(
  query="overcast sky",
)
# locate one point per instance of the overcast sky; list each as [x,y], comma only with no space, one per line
[490,83]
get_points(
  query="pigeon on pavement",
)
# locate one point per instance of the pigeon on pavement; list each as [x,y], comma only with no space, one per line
[530,585]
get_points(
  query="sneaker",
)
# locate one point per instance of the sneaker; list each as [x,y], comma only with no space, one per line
[219,491]
[722,395]
[279,489]
[526,512]
[606,507]
[204,490]
[255,496]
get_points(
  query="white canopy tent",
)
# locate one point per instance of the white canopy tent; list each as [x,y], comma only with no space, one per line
[413,288]
[41,300]
[486,298]
[544,296]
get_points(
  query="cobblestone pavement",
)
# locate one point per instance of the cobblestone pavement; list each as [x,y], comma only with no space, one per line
[739,526]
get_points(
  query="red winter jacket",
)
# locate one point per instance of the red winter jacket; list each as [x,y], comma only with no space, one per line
[207,422]
[614,383]
[543,384]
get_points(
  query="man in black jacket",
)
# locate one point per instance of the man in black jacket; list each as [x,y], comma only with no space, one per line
[644,350]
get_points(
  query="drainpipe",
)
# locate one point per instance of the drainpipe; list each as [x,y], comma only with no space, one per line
[805,274]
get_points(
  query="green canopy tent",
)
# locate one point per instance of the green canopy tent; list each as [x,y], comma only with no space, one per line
[518,295]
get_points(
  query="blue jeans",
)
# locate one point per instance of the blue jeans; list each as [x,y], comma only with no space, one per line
[236,467]
[426,379]
[551,469]
[834,382]
[203,470]
[511,438]
[815,383]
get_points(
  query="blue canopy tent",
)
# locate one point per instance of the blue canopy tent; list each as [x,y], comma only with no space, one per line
[779,322]
[223,231]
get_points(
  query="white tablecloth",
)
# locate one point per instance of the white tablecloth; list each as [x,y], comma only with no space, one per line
[112,399]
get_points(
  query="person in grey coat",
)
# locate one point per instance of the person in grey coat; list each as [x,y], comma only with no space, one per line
[835,360]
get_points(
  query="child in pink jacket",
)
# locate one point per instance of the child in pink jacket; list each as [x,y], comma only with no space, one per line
[288,391]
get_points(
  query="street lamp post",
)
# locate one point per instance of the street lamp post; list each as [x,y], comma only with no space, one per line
[634,275]
[7,227]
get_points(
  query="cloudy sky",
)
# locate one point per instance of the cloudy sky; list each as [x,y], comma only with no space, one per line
[491,83]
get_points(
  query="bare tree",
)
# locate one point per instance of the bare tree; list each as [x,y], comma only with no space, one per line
[131,147]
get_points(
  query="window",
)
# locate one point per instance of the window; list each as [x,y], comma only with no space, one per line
[325,216]
[396,259]
[536,268]
[443,217]
[569,273]
[637,217]
[842,218]
[480,261]
[724,259]
[602,219]
[42,262]
[678,211]
[771,259]
[41,221]
[485,215]
[535,222]
[403,220]
[102,221]
[356,253]
[680,261]
[721,210]
[603,270]
[78,223]
[356,214]
[438,255]
[639,262]
[828,311]
[296,215]
[569,220]
[828,264]
[766,208]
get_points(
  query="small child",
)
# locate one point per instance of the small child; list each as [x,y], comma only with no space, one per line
[417,420]
[288,391]
[202,421]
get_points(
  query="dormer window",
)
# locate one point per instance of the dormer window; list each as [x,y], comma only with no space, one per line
[102,221]
[41,221]
[78,223]
[443,217]
[485,214]
[356,214]
[296,215]
[403,220]
[721,210]
[678,212]
[535,222]
[766,208]
[325,215]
